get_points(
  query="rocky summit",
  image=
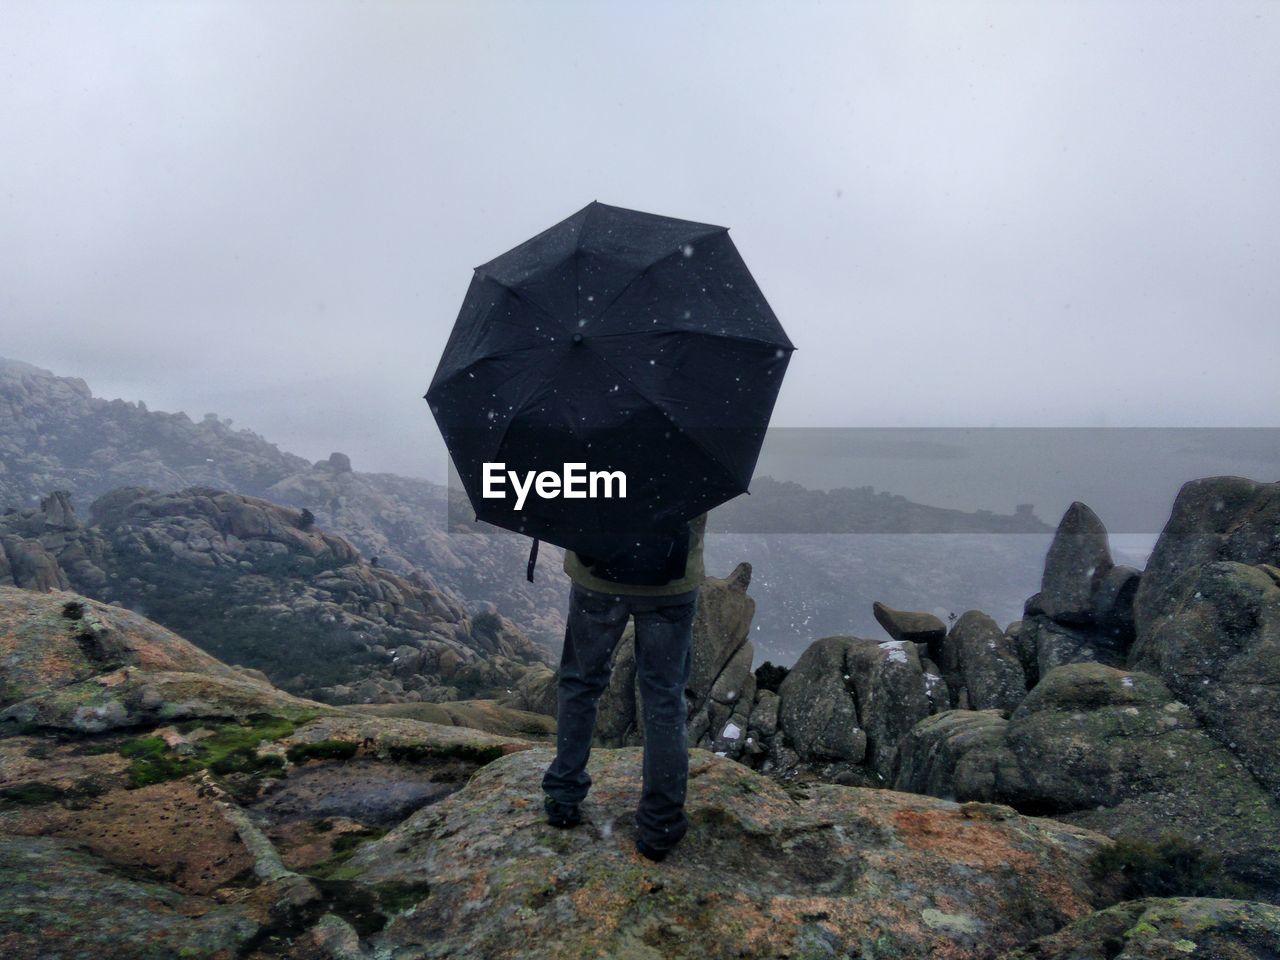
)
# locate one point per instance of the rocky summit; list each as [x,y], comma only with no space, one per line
[156,803]
[264,586]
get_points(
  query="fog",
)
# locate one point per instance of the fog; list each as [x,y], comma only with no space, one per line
[963,214]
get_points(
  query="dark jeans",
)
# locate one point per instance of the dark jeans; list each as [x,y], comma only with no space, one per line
[664,632]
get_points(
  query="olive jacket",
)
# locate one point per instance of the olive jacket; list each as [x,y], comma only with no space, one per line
[581,574]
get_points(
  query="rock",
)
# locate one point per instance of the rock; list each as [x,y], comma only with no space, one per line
[1079,558]
[535,691]
[58,511]
[338,463]
[1218,648]
[764,714]
[984,664]
[720,628]
[1056,644]
[760,873]
[57,901]
[1111,603]
[817,708]
[892,695]
[1216,518]
[957,754]
[76,664]
[848,699]
[1112,750]
[31,566]
[916,627]
[491,716]
[251,673]
[1084,610]
[1205,614]
[1161,929]
[172,830]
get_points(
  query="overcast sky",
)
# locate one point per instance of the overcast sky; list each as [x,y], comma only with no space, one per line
[994,214]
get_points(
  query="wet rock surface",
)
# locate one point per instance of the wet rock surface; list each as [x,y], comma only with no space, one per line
[1165,929]
[762,872]
[369,791]
[1208,615]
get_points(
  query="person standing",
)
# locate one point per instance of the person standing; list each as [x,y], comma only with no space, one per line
[599,607]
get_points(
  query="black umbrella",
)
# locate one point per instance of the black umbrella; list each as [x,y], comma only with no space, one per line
[623,341]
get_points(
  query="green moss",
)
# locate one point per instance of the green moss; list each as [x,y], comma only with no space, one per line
[246,760]
[230,748]
[323,750]
[153,764]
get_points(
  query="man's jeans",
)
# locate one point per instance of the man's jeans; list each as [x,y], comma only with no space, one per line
[664,656]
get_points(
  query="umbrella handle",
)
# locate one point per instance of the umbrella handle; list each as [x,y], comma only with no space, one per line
[533,560]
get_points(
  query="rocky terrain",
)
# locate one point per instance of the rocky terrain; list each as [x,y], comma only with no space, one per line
[157,803]
[262,586]
[1134,704]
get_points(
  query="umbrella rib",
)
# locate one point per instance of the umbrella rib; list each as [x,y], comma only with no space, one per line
[641,275]
[525,300]
[657,406]
[682,331]
[489,356]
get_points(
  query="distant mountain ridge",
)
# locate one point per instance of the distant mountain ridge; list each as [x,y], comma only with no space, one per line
[260,585]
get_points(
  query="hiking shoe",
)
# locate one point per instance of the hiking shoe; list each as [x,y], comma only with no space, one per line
[562,815]
[651,853]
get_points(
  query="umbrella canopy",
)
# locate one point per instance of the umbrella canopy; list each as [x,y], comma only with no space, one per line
[621,340]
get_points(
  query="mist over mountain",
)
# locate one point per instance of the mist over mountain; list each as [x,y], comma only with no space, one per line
[822,556]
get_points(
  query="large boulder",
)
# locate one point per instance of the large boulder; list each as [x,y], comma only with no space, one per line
[722,685]
[1084,610]
[75,664]
[1219,650]
[817,707]
[1056,644]
[761,872]
[912,626]
[957,754]
[1207,614]
[1163,929]
[29,564]
[1079,559]
[1110,749]
[1215,518]
[981,664]
[849,699]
